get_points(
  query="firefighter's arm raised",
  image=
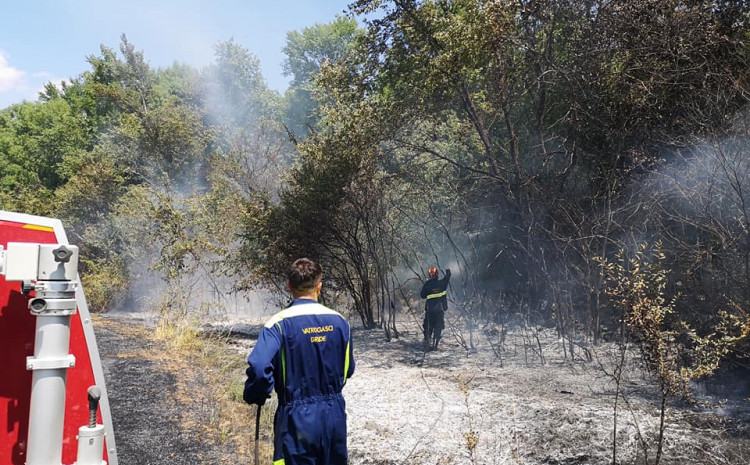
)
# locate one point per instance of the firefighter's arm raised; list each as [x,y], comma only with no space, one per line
[446,279]
[260,380]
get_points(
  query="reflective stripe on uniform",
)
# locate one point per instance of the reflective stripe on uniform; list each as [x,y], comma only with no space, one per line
[435,296]
[346,360]
[301,310]
[278,462]
[283,354]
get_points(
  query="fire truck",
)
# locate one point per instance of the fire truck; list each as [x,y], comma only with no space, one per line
[54,408]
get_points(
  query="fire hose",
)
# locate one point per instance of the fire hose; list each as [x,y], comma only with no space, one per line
[257,432]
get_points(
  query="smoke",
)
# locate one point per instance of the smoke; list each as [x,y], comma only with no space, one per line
[205,147]
[540,258]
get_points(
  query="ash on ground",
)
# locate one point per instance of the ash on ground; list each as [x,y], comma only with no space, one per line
[525,401]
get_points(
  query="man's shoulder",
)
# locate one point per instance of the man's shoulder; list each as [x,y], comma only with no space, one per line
[307,309]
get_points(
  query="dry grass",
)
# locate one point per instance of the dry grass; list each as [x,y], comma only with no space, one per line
[209,378]
[216,394]
[180,335]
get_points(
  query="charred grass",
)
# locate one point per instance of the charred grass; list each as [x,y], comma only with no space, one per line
[197,379]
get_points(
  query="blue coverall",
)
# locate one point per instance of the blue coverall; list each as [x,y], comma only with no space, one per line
[305,353]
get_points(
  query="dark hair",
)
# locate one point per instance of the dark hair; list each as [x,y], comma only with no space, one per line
[304,274]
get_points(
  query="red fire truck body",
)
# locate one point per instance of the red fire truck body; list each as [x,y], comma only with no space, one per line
[21,369]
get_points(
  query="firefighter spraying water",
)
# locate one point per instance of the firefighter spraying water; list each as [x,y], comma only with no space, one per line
[435,291]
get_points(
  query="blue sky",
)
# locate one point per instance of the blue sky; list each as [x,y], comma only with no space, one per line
[49,40]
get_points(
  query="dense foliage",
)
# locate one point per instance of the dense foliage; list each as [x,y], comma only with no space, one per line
[513,142]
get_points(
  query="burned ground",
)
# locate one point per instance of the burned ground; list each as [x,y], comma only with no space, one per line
[158,398]
[452,406]
[460,407]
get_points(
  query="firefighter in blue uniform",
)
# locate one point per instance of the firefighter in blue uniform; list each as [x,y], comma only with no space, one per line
[435,291]
[304,353]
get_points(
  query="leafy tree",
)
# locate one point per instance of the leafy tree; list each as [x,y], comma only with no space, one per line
[236,93]
[35,141]
[306,52]
[542,111]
